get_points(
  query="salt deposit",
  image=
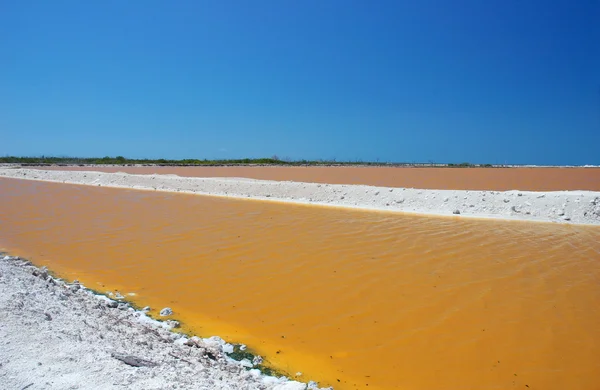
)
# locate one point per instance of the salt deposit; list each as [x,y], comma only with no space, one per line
[576,207]
[53,335]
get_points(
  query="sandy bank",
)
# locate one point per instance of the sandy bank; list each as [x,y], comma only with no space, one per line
[579,207]
[57,335]
[433,178]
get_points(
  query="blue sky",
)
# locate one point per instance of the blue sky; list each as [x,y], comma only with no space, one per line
[448,81]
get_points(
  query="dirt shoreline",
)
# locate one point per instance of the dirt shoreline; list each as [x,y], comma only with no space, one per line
[573,207]
[433,178]
[60,335]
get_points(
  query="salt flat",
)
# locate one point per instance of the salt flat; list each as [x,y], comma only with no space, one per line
[575,207]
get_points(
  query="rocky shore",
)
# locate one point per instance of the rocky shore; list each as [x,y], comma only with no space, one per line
[60,335]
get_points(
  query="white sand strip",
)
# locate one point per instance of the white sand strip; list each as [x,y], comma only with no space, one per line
[55,335]
[576,207]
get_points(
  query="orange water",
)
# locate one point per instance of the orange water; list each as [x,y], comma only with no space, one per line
[378,299]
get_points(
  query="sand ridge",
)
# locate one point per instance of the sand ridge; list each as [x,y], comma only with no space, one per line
[575,207]
[433,178]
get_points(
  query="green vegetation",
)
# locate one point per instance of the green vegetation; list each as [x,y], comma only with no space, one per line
[120,160]
[274,160]
[461,165]
[239,354]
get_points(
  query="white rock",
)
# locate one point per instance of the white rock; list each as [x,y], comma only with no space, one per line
[257,360]
[246,363]
[173,324]
[181,341]
[291,385]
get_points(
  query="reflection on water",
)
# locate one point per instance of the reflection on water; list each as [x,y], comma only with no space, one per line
[377,299]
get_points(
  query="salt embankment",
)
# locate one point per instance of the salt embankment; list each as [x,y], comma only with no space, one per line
[576,207]
[60,335]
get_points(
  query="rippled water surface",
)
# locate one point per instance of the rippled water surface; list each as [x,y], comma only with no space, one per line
[376,300]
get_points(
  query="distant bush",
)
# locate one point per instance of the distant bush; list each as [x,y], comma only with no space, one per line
[273,160]
[461,165]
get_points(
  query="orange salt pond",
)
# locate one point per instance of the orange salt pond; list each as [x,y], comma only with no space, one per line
[352,299]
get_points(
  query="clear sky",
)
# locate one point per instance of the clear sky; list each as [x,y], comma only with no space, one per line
[450,81]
